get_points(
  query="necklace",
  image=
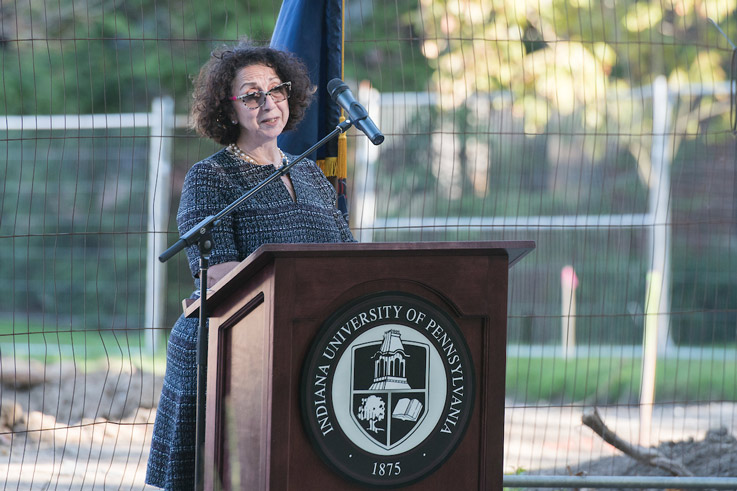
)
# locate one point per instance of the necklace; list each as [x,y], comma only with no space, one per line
[236,150]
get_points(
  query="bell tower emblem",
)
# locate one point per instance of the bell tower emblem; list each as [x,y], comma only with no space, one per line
[389,388]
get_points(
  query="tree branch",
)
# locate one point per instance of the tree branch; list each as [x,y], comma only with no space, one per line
[648,456]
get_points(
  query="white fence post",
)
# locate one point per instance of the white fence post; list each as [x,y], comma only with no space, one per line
[161,122]
[656,338]
[659,208]
[366,155]
[568,286]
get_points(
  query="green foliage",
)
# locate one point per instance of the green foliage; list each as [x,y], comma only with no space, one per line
[116,56]
[383,46]
[72,222]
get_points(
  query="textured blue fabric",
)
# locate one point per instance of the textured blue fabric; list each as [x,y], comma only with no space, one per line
[271,216]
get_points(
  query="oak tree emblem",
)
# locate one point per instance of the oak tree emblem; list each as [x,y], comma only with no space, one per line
[372,409]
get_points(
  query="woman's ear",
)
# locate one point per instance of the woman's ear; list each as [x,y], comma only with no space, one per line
[231,115]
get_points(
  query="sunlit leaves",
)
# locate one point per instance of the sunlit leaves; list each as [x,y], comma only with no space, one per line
[642,16]
[716,9]
[560,58]
[706,69]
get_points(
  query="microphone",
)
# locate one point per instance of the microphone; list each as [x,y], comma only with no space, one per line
[341,95]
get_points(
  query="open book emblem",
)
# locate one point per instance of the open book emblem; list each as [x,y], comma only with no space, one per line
[389,388]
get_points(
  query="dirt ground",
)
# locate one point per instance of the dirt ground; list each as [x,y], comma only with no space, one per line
[64,427]
[554,441]
[67,426]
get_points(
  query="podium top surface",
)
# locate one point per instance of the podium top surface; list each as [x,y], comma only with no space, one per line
[515,250]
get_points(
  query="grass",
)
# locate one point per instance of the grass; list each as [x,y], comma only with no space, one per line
[529,379]
[617,380]
[89,348]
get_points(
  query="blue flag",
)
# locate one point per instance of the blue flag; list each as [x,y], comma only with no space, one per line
[313,31]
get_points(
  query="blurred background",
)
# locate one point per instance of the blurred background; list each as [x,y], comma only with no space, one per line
[603,131]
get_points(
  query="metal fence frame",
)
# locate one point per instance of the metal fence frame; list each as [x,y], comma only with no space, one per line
[162,120]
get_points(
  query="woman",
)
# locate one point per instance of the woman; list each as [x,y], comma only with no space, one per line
[244,98]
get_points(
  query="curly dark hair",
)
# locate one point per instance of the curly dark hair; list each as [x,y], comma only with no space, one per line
[212,110]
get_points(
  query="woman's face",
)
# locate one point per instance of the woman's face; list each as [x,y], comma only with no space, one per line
[264,123]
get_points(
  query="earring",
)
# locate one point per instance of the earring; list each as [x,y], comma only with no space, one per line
[234,121]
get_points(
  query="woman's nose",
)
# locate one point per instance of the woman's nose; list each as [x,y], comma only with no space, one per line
[269,102]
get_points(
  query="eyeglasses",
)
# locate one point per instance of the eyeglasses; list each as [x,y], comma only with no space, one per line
[257,98]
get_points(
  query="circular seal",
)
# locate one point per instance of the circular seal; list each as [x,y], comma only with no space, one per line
[387,389]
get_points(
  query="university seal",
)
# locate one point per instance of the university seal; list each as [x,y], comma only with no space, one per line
[387,389]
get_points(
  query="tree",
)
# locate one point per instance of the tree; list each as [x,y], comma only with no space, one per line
[565,62]
[372,409]
[113,55]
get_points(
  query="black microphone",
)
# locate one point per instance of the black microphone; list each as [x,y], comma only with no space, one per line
[341,94]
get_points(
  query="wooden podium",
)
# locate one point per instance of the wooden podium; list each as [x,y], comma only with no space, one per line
[266,321]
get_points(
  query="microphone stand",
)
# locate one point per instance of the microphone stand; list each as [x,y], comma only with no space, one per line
[201,234]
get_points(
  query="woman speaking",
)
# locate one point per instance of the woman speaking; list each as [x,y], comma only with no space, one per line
[244,98]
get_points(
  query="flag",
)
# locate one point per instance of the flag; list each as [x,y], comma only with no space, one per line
[313,31]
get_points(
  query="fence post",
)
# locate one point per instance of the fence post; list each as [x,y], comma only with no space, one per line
[659,208]
[161,123]
[568,285]
[649,356]
[656,337]
[366,155]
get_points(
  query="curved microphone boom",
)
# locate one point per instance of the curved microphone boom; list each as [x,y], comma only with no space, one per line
[341,94]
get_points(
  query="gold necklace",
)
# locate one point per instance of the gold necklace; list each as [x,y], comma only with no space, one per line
[236,150]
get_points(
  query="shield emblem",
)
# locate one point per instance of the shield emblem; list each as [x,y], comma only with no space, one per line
[389,388]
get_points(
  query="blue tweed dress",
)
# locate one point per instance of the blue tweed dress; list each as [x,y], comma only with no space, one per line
[270,216]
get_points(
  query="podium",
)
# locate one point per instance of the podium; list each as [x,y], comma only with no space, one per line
[359,366]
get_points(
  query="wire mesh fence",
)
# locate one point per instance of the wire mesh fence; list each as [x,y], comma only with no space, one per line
[601,132]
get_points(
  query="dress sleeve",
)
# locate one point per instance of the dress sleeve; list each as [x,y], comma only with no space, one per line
[203,195]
